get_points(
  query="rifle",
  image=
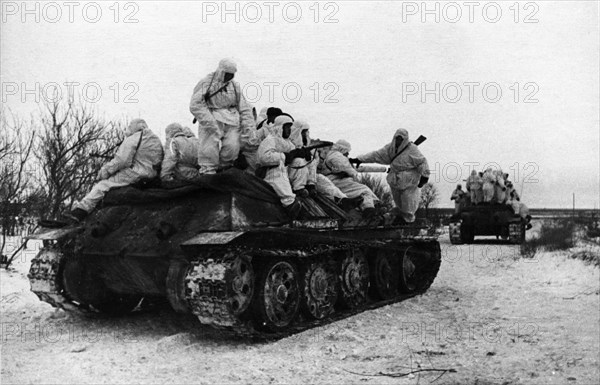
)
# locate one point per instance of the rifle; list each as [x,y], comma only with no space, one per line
[319,144]
[372,168]
[419,140]
[105,154]
[305,152]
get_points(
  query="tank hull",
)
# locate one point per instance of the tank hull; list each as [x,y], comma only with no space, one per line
[232,258]
[487,220]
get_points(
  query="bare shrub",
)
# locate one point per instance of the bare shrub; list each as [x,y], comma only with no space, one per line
[554,235]
[380,187]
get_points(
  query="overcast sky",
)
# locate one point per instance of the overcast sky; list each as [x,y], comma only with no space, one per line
[362,69]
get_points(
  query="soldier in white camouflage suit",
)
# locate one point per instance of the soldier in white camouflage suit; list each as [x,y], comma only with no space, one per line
[137,158]
[273,154]
[225,119]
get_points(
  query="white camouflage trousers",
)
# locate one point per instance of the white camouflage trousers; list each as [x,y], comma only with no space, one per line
[217,148]
[354,189]
[120,179]
[277,177]
[519,208]
[499,194]
[328,189]
[407,201]
[476,196]
[298,177]
[488,192]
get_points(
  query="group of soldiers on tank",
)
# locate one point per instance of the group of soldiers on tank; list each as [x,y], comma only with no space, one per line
[487,188]
[272,146]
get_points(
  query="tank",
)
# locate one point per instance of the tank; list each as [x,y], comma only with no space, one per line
[489,219]
[225,250]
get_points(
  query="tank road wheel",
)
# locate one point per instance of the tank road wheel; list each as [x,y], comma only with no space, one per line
[354,280]
[418,268]
[384,282]
[241,276]
[516,233]
[454,230]
[178,270]
[407,272]
[117,304]
[278,295]
[320,284]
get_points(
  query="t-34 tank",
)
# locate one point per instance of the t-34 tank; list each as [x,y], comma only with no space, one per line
[226,251]
[487,219]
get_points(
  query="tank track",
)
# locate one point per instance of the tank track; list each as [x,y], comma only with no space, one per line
[206,294]
[206,291]
[45,279]
[516,233]
[454,230]
[207,287]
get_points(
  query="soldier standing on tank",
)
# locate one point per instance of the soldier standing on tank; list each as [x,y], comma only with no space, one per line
[499,187]
[409,172]
[457,196]
[225,119]
[489,182]
[474,187]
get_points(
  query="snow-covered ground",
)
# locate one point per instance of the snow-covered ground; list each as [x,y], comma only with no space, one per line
[491,316]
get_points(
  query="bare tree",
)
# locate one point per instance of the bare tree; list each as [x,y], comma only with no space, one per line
[16,144]
[429,197]
[70,136]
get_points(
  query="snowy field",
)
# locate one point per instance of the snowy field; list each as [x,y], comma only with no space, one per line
[489,318]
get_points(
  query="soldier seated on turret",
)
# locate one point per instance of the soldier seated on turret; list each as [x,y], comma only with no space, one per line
[338,169]
[269,116]
[302,171]
[273,154]
[181,155]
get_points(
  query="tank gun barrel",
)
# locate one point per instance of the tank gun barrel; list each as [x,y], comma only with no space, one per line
[372,168]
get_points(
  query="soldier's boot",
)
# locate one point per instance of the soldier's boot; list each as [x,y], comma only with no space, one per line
[347,204]
[76,215]
[394,217]
[303,193]
[369,213]
[294,209]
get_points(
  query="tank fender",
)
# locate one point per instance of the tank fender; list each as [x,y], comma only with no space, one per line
[55,234]
[455,218]
[220,238]
[468,219]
